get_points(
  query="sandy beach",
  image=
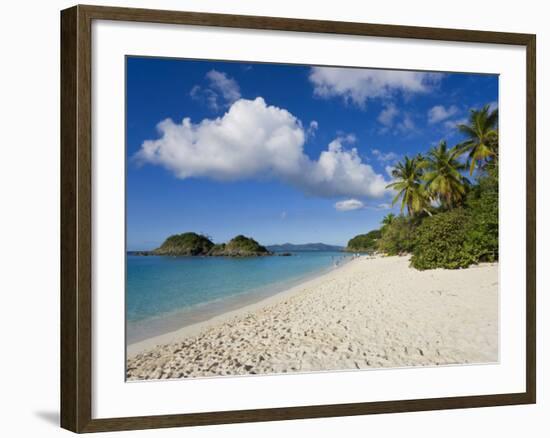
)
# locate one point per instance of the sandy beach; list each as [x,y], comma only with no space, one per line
[369,313]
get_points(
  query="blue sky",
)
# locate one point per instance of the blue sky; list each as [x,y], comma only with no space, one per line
[281,153]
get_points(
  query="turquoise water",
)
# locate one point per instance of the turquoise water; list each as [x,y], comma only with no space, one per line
[163,292]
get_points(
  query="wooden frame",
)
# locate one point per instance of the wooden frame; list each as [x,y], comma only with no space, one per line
[76,173]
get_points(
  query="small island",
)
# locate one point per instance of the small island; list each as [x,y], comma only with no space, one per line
[239,246]
[185,244]
[193,244]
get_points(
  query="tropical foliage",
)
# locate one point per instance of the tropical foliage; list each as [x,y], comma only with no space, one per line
[447,219]
[185,244]
[483,205]
[443,241]
[409,186]
[481,144]
[388,219]
[239,246]
[193,244]
[364,242]
[398,237]
[443,180]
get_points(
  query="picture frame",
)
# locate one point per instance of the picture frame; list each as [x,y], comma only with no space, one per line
[77,309]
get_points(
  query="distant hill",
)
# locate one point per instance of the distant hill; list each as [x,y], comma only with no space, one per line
[239,246]
[288,247]
[186,244]
[193,244]
[364,242]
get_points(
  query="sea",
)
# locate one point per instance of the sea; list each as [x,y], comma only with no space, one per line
[165,293]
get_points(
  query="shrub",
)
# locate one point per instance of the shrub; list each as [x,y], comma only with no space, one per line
[398,237]
[445,241]
[364,242]
[482,203]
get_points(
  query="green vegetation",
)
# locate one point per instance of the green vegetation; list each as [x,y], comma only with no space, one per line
[364,242]
[443,180]
[388,220]
[482,137]
[409,186]
[464,236]
[193,244]
[442,241]
[482,203]
[451,221]
[397,237]
[240,246]
[186,244]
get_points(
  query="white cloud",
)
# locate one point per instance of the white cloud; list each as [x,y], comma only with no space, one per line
[313,126]
[386,206]
[384,156]
[389,170]
[388,117]
[439,112]
[407,124]
[388,114]
[206,95]
[359,85]
[348,205]
[228,87]
[350,138]
[451,124]
[220,93]
[256,140]
[341,172]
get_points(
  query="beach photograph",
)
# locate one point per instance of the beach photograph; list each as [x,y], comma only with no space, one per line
[295,219]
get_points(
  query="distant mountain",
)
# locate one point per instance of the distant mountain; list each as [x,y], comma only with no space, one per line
[288,247]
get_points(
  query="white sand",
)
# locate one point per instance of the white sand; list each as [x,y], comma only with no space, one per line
[370,313]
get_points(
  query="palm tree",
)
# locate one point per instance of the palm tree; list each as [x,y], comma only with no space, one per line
[482,137]
[444,182]
[408,183]
[388,219]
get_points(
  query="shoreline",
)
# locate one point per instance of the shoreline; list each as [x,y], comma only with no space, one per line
[250,304]
[372,312]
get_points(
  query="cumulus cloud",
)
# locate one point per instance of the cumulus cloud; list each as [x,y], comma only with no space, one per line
[206,96]
[407,124]
[220,93]
[439,113]
[359,85]
[256,140]
[387,115]
[452,124]
[384,156]
[225,85]
[341,172]
[348,205]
